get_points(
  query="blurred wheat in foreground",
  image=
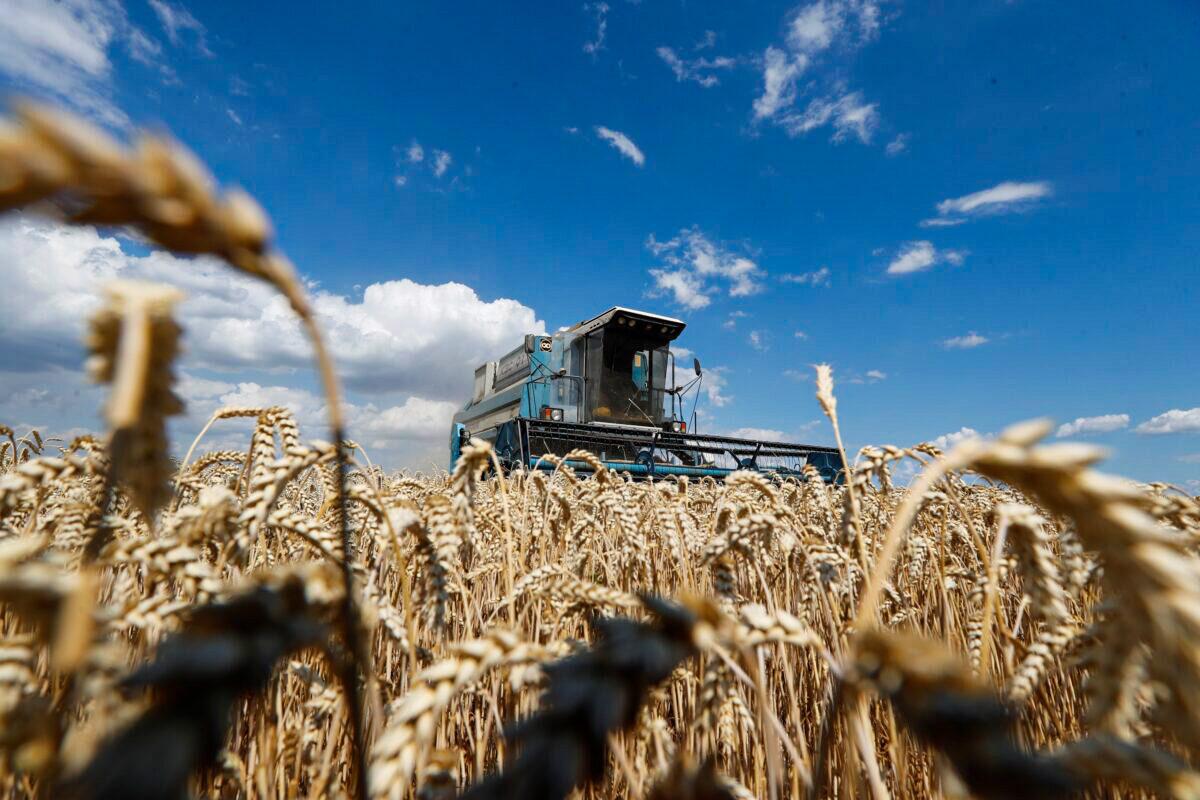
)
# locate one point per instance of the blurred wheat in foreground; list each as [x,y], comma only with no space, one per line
[281,622]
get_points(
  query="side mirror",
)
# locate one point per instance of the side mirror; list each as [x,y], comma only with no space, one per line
[696,366]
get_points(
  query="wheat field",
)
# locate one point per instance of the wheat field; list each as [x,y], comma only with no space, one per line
[289,621]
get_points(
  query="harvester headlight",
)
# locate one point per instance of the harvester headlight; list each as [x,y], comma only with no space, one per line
[552,414]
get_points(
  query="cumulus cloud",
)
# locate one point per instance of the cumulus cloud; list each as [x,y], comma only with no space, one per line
[698,70]
[694,268]
[965,342]
[1003,198]
[761,434]
[772,434]
[714,384]
[409,434]
[1082,426]
[685,287]
[876,375]
[922,255]
[757,340]
[415,153]
[1174,421]
[622,143]
[818,277]
[947,440]
[400,339]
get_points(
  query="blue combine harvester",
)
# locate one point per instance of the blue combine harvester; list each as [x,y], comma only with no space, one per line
[608,385]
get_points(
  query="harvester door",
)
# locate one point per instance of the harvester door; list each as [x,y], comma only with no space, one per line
[567,392]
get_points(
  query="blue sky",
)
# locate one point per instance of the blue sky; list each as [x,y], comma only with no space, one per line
[977,212]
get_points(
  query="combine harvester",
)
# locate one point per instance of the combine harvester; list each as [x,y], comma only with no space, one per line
[607,385]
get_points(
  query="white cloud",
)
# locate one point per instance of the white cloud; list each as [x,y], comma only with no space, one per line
[176,18]
[818,277]
[942,222]
[797,375]
[1105,423]
[441,162]
[623,144]
[898,145]
[714,384]
[759,434]
[189,386]
[685,287]
[438,161]
[1174,421]
[801,335]
[600,13]
[695,267]
[758,340]
[965,342]
[869,377]
[233,115]
[730,323]
[402,337]
[709,40]
[1003,198]
[409,434]
[820,25]
[815,26]
[814,29]
[849,114]
[922,255]
[417,345]
[62,49]
[947,440]
[699,70]
[780,71]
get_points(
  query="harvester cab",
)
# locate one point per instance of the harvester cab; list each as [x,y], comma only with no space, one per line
[610,385]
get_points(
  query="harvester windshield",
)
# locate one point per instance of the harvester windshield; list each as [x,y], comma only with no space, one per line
[627,375]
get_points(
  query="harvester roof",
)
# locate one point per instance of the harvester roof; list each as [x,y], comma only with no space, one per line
[665,328]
